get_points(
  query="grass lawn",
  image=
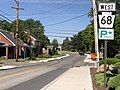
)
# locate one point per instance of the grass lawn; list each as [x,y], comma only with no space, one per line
[26,59]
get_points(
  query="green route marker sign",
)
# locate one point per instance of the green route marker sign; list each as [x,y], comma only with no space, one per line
[106,34]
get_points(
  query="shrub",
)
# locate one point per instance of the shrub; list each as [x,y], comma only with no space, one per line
[110,61]
[117,64]
[33,58]
[117,56]
[40,56]
[101,62]
[56,52]
[99,79]
[114,81]
[46,56]
[117,88]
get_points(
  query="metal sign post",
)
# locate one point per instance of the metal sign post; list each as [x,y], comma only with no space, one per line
[106,32]
[105,62]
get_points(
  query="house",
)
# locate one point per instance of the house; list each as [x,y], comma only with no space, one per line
[35,44]
[8,45]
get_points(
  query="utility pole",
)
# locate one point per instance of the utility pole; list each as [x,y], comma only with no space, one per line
[17,18]
[96,33]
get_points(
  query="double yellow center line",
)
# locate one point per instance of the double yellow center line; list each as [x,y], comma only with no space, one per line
[16,74]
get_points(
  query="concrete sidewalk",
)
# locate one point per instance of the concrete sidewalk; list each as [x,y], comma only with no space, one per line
[76,78]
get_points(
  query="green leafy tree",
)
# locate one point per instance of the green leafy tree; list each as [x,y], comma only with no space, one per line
[66,44]
[55,43]
[76,42]
[37,29]
[26,26]
[5,25]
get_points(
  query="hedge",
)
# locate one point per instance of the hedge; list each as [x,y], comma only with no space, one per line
[117,56]
[117,88]
[110,61]
[44,56]
[99,79]
[117,64]
[114,81]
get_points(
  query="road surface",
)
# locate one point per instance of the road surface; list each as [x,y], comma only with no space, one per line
[38,76]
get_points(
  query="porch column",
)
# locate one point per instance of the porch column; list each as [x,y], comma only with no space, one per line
[24,52]
[6,52]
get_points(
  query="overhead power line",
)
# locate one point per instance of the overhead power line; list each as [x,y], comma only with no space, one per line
[6,14]
[61,33]
[65,30]
[5,18]
[52,9]
[66,20]
[58,36]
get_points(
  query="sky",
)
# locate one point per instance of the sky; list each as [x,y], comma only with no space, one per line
[60,18]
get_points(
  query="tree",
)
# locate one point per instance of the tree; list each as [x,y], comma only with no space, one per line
[84,40]
[37,29]
[5,25]
[66,44]
[55,43]
[31,25]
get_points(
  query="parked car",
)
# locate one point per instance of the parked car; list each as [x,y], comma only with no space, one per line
[88,52]
[81,52]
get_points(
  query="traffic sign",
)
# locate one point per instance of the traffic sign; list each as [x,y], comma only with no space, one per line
[106,20]
[107,7]
[106,34]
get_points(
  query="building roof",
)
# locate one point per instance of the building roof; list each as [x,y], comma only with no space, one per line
[37,39]
[7,35]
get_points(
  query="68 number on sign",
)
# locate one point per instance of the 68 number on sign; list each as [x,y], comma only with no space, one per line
[106,20]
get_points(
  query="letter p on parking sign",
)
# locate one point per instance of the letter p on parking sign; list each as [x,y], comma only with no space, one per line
[106,34]
[102,33]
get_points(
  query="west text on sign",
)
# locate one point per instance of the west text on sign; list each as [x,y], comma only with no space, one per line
[107,7]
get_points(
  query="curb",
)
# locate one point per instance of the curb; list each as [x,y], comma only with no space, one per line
[7,67]
[50,59]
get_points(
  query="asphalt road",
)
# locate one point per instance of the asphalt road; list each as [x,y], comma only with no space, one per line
[36,77]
